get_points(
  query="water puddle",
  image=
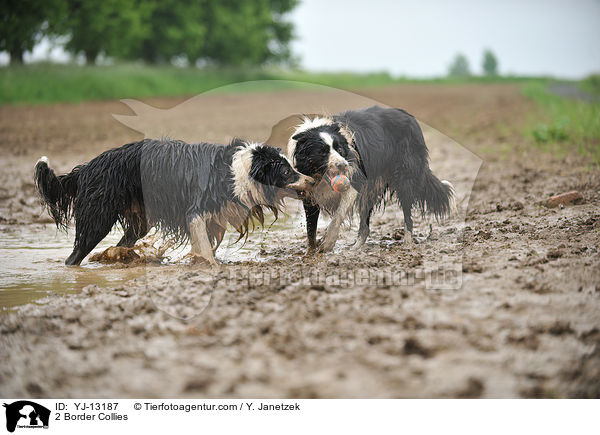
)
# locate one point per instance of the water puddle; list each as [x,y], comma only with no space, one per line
[32,265]
[32,258]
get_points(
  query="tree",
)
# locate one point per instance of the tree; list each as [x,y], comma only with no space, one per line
[222,32]
[173,28]
[248,32]
[490,63]
[23,23]
[459,67]
[113,27]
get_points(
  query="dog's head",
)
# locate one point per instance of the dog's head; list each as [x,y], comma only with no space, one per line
[271,168]
[264,175]
[321,147]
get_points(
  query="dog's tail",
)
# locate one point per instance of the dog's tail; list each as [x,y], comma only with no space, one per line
[437,197]
[56,192]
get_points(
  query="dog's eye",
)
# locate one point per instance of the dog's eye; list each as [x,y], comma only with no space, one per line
[340,150]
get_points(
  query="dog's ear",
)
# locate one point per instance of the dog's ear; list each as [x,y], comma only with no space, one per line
[299,136]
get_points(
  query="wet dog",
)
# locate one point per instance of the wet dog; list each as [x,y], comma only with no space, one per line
[383,153]
[190,192]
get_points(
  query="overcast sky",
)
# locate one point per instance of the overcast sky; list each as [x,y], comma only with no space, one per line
[420,38]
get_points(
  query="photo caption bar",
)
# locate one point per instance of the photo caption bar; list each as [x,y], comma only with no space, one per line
[267,416]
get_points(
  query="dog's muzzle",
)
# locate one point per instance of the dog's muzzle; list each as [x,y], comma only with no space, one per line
[337,165]
[342,167]
[304,185]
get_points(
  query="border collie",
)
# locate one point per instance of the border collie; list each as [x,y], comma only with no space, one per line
[383,153]
[190,192]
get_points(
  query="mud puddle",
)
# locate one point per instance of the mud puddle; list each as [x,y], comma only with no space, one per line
[33,265]
[32,258]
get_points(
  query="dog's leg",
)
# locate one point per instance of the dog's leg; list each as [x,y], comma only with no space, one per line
[215,233]
[219,233]
[88,234]
[136,229]
[333,230]
[408,222]
[200,242]
[76,257]
[364,228]
[311,211]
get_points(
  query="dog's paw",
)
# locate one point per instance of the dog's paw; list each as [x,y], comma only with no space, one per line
[358,244]
[196,259]
[326,246]
[310,251]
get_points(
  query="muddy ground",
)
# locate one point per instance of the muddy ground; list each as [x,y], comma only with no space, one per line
[524,321]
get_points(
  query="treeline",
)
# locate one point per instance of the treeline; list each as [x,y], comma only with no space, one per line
[460,65]
[217,32]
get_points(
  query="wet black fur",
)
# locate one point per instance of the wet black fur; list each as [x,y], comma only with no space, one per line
[390,159]
[271,170]
[162,183]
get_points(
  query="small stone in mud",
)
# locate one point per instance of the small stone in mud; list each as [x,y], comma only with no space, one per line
[529,340]
[197,384]
[516,206]
[560,328]
[376,339]
[398,234]
[413,347]
[318,287]
[472,267]
[472,390]
[541,288]
[563,199]
[535,392]
[555,253]
[411,323]
[34,389]
[557,328]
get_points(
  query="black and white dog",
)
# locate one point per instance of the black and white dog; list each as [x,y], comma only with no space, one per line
[188,191]
[382,151]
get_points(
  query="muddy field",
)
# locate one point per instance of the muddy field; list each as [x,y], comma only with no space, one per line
[521,317]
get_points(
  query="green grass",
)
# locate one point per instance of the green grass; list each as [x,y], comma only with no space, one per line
[49,83]
[591,85]
[568,124]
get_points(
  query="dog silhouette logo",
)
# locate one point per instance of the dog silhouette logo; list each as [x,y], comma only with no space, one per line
[26,414]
